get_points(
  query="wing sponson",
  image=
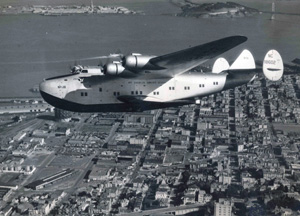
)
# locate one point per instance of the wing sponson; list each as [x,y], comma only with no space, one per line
[182,61]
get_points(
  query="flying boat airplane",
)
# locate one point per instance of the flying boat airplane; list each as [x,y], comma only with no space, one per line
[140,82]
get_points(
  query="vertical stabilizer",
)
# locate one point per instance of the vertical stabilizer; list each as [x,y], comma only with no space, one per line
[220,65]
[273,65]
[244,61]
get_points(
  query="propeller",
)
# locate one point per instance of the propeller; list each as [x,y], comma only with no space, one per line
[101,57]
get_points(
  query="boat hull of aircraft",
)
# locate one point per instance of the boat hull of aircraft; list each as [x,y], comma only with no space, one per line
[132,97]
[119,107]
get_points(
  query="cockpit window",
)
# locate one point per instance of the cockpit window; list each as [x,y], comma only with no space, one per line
[84,71]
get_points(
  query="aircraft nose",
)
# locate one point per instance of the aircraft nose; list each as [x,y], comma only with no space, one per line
[47,91]
[44,87]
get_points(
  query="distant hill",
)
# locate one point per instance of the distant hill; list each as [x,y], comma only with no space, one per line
[219,9]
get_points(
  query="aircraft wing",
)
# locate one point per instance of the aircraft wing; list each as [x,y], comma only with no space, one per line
[179,62]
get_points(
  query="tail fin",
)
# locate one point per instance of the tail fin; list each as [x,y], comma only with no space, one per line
[273,65]
[220,65]
[244,61]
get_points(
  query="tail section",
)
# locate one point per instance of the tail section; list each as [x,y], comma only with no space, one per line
[244,61]
[273,65]
[220,65]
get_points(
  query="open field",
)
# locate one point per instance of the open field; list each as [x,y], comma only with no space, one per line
[69,162]
[7,178]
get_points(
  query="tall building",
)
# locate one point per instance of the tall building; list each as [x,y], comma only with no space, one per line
[223,208]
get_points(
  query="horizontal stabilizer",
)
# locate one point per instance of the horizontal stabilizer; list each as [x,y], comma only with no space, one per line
[273,65]
[244,61]
[220,65]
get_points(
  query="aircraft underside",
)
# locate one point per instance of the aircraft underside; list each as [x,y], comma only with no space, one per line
[113,107]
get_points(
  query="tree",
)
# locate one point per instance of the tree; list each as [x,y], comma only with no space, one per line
[283,201]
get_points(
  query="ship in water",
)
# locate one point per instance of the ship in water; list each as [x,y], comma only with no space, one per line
[273,11]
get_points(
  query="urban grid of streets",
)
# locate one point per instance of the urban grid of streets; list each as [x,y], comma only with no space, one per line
[237,150]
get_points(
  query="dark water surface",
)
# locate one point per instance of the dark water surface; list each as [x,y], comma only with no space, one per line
[31,45]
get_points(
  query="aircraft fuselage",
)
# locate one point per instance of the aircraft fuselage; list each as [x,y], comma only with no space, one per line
[80,93]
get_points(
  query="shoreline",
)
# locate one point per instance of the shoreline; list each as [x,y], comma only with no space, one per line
[66,10]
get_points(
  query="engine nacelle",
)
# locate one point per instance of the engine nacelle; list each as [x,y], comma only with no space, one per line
[114,68]
[136,61]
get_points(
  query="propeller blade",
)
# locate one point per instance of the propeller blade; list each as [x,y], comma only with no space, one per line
[102,57]
[101,63]
[118,51]
[61,61]
[93,58]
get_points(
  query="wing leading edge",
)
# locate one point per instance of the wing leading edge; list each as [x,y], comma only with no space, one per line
[184,60]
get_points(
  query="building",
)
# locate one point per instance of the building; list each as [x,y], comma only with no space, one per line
[225,178]
[202,124]
[19,136]
[223,208]
[203,197]
[143,118]
[25,108]
[12,168]
[5,193]
[99,173]
[62,131]
[139,140]
[38,184]
[162,193]
[8,210]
